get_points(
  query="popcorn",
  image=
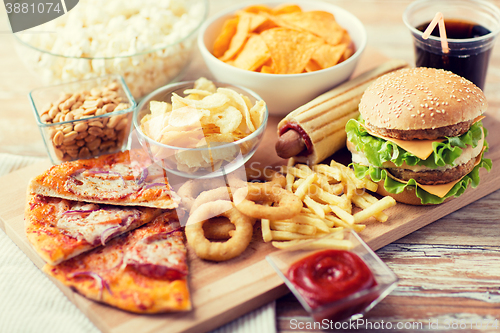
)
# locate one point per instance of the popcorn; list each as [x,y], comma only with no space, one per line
[102,37]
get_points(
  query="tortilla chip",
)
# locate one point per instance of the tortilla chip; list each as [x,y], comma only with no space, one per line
[327,55]
[221,44]
[256,20]
[256,9]
[286,8]
[320,23]
[239,37]
[290,49]
[312,66]
[253,54]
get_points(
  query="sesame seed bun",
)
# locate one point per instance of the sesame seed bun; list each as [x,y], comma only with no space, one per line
[421,99]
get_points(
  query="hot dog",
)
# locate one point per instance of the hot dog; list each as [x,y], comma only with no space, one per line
[315,130]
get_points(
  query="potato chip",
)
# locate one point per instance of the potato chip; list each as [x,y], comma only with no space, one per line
[291,50]
[212,101]
[239,104]
[158,108]
[192,158]
[198,92]
[253,54]
[227,120]
[187,116]
[204,84]
[257,113]
[239,37]
[319,23]
[184,139]
[223,40]
[327,55]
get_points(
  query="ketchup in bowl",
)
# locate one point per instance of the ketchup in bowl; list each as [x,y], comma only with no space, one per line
[329,276]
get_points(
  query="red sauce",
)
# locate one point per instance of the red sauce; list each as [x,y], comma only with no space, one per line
[330,275]
[307,140]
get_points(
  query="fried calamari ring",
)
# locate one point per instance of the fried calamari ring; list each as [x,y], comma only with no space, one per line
[218,251]
[288,203]
[266,174]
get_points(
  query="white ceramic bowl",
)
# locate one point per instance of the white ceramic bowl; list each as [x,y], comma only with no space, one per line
[283,93]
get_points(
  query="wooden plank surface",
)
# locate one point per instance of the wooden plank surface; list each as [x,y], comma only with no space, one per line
[224,291]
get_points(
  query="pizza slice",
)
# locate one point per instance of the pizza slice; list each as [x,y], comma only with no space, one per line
[59,229]
[124,178]
[143,271]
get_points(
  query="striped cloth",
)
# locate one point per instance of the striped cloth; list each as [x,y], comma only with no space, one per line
[30,302]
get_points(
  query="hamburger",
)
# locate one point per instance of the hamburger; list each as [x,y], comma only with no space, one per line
[420,135]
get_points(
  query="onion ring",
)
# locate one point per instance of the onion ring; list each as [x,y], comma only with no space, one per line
[289,204]
[219,228]
[266,174]
[192,188]
[218,251]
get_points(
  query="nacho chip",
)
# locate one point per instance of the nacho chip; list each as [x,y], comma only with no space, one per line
[286,8]
[239,37]
[267,69]
[256,9]
[256,20]
[327,55]
[253,54]
[222,42]
[290,50]
[312,66]
[320,23]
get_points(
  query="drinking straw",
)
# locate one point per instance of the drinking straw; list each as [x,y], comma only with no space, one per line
[438,19]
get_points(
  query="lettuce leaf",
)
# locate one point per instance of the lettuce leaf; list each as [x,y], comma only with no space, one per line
[394,186]
[378,150]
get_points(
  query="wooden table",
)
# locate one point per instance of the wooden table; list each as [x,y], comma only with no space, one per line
[449,271]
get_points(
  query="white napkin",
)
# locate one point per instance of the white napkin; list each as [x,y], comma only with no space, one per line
[30,302]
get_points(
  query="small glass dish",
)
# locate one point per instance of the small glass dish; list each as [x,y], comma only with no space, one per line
[91,134]
[352,306]
[236,153]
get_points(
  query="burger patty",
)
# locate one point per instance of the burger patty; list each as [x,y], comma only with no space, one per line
[434,177]
[424,134]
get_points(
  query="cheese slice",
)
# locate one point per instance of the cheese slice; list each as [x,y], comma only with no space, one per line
[442,189]
[420,148]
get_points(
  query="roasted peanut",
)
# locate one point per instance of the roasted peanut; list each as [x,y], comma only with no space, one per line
[81,126]
[122,124]
[58,138]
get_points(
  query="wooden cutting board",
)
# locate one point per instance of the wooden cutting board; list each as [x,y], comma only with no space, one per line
[225,291]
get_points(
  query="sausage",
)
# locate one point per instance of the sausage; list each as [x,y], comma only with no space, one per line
[316,130]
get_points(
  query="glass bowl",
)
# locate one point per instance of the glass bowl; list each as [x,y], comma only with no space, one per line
[353,306]
[90,135]
[239,151]
[138,40]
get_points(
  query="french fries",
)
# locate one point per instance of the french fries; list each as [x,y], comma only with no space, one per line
[333,199]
